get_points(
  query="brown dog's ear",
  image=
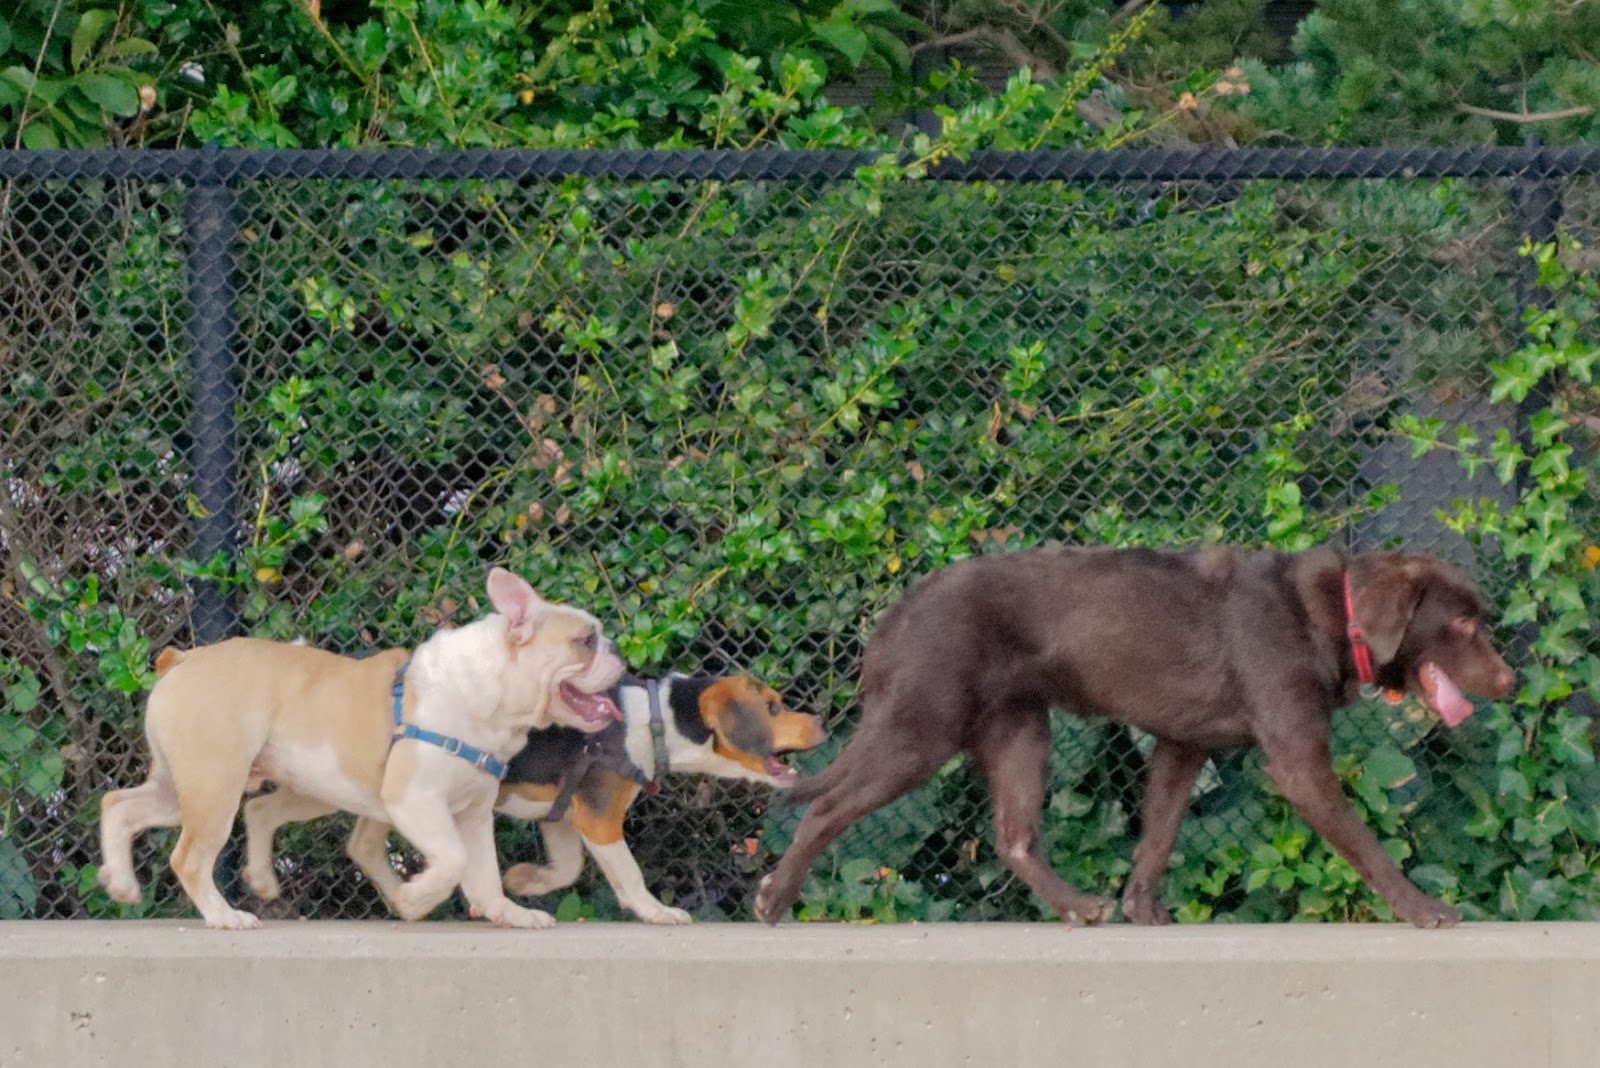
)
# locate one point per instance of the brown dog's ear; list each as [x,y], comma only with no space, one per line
[1386,589]
[513,598]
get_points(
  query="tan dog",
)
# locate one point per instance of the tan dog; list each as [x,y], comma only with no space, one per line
[225,718]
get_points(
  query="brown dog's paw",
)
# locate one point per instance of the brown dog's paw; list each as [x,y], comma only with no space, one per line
[766,909]
[1142,908]
[1427,912]
[1088,910]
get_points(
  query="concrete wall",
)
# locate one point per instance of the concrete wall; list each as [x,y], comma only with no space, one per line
[357,994]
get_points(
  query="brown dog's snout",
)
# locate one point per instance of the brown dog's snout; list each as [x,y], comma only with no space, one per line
[1504,679]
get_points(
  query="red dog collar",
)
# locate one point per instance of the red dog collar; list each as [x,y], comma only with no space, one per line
[1360,651]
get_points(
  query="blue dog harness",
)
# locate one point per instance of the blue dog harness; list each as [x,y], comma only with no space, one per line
[454,746]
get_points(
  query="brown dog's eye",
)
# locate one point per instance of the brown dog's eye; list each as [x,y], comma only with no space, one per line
[1465,626]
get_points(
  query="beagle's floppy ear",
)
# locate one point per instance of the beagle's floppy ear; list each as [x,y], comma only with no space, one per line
[745,727]
[1386,589]
[518,602]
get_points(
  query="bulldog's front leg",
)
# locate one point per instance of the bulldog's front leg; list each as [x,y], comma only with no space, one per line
[481,879]
[427,821]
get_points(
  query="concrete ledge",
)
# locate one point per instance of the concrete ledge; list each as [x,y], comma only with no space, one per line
[356,994]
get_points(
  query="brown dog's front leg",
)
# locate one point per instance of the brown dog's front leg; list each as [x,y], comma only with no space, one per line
[1169,779]
[1303,773]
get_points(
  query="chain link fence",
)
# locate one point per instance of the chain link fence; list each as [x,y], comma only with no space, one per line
[732,404]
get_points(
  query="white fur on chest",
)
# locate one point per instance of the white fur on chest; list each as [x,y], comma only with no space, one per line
[314,770]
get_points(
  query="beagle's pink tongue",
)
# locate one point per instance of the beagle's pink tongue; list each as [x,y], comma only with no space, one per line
[594,707]
[1443,696]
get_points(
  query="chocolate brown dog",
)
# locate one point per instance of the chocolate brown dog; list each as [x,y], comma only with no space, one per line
[1206,650]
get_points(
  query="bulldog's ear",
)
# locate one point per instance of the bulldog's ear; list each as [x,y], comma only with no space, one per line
[1387,587]
[518,602]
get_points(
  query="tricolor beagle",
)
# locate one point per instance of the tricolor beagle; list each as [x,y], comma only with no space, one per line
[730,727]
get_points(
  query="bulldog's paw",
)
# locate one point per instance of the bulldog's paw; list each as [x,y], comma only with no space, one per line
[410,905]
[232,920]
[665,916]
[263,884]
[122,887]
[504,913]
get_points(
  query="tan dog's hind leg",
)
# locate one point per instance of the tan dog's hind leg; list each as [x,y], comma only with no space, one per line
[563,848]
[209,769]
[124,814]
[262,818]
[206,825]
[369,848]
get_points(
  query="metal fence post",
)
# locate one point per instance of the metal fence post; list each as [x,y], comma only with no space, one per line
[1536,205]
[209,232]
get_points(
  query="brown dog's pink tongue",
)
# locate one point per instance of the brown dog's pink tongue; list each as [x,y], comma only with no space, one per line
[1444,697]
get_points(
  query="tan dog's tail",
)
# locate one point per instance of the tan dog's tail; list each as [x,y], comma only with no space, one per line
[169,657]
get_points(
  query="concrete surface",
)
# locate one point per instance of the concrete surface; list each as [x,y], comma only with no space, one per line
[383,994]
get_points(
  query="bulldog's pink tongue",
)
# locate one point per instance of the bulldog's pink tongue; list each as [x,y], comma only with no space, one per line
[1443,696]
[594,707]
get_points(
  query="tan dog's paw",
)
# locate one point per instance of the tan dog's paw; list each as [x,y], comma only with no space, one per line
[232,920]
[505,913]
[123,889]
[263,884]
[666,916]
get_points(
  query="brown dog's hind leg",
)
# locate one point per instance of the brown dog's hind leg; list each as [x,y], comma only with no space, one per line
[1169,778]
[877,769]
[1014,751]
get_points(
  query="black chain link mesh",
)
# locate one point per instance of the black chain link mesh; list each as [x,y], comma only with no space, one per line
[730,403]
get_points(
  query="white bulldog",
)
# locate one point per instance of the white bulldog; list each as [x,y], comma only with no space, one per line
[416,740]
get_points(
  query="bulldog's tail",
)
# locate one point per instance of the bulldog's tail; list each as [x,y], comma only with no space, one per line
[169,658]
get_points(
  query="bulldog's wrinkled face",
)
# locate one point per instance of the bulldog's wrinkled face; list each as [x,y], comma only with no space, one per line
[559,663]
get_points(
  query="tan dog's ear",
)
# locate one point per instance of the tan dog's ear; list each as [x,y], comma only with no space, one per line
[1387,588]
[521,605]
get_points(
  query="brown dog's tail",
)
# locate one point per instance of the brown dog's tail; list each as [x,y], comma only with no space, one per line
[168,658]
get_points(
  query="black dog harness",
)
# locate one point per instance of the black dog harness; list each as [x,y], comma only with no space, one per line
[454,746]
[593,754]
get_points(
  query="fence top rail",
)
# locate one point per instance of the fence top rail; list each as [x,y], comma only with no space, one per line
[237,165]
